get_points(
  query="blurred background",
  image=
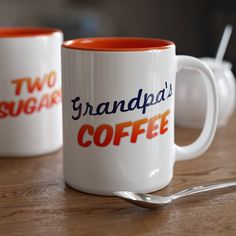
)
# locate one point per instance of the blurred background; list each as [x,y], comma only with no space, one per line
[195,26]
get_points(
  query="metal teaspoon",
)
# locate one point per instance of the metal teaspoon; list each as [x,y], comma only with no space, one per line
[153,201]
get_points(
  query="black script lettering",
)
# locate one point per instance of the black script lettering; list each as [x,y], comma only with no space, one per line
[89,109]
[146,101]
[140,102]
[170,91]
[77,107]
[166,85]
[103,108]
[117,104]
[160,96]
[134,102]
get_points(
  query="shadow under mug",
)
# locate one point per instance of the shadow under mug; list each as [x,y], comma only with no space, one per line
[118,113]
[30,91]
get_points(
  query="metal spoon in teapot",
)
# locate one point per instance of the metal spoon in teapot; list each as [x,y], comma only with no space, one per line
[153,201]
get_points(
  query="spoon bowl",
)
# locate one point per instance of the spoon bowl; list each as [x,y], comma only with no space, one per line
[144,200]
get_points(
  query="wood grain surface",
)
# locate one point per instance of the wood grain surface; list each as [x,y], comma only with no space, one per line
[34,199]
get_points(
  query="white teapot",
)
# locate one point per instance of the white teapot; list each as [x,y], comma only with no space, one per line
[191,95]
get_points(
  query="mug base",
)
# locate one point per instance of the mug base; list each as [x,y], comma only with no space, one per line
[111,193]
[31,154]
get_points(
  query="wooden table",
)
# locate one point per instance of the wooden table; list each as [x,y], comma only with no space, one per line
[34,199]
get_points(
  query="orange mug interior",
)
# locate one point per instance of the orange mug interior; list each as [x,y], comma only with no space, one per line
[15,32]
[117,44]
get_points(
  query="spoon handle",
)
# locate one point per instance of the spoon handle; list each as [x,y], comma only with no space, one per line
[224,43]
[203,188]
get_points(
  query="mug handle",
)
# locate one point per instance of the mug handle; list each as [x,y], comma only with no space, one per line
[201,144]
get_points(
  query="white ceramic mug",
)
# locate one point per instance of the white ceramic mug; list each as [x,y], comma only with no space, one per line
[118,113]
[30,91]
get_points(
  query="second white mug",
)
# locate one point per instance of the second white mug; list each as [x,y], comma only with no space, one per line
[30,91]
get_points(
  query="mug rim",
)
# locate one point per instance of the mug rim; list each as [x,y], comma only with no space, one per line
[117,44]
[27,32]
